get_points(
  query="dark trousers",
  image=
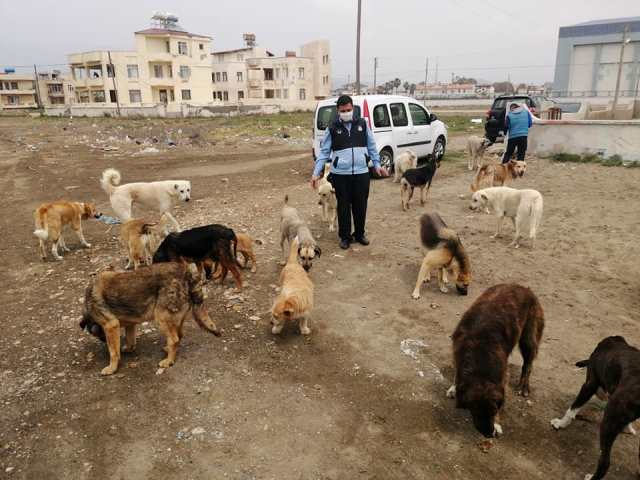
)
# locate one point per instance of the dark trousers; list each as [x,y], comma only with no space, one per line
[520,143]
[352,194]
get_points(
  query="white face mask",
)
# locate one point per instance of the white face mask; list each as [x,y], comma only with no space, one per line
[346,116]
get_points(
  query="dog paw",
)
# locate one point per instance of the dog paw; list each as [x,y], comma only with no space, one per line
[254,269]
[276,330]
[558,423]
[588,477]
[415,295]
[630,430]
[166,363]
[108,370]
[128,349]
[523,392]
[58,258]
[305,331]
[86,245]
[451,393]
[497,430]
[444,289]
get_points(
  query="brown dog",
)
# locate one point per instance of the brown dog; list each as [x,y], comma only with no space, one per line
[167,293]
[498,174]
[503,316]
[245,248]
[50,219]
[295,300]
[141,239]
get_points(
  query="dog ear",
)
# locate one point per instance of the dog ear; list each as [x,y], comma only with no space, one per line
[175,186]
[317,250]
[484,196]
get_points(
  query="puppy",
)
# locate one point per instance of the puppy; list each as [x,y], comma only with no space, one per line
[244,248]
[295,300]
[158,195]
[402,163]
[327,200]
[166,293]
[521,206]
[291,226]
[503,316]
[614,366]
[476,147]
[444,251]
[50,219]
[141,239]
[420,177]
[210,242]
[498,174]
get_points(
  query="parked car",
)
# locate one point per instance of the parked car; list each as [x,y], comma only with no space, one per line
[398,123]
[494,123]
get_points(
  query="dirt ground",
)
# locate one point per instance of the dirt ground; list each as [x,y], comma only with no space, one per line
[346,402]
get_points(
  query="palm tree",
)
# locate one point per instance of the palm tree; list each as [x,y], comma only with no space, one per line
[406,86]
[396,83]
[412,89]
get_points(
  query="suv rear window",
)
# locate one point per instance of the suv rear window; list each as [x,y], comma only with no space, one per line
[399,115]
[326,115]
[501,103]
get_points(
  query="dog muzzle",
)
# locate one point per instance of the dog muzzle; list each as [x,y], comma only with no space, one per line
[462,290]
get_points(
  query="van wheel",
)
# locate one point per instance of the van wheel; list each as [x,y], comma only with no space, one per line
[439,148]
[386,159]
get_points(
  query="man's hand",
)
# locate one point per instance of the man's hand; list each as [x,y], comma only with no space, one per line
[381,171]
[314,182]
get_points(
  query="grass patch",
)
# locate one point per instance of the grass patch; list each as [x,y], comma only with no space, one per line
[454,156]
[612,161]
[461,124]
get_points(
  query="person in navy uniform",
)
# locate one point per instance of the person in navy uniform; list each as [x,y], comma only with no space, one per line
[348,144]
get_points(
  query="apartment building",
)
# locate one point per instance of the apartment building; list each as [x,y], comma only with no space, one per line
[17,91]
[55,89]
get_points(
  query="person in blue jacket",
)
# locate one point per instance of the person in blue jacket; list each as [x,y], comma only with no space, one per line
[517,125]
[348,144]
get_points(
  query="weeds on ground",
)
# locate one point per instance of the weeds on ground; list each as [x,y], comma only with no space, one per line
[612,161]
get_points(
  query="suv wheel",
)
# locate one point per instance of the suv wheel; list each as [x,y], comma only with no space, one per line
[439,149]
[386,159]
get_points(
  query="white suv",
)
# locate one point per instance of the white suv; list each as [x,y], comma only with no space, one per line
[398,124]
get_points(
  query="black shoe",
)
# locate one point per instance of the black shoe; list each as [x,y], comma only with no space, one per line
[344,244]
[363,240]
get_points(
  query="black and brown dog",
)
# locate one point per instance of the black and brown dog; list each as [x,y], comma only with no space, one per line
[503,316]
[420,177]
[614,366]
[203,245]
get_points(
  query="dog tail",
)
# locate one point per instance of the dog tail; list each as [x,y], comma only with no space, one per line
[482,171]
[110,179]
[286,199]
[454,245]
[204,321]
[535,212]
[42,225]
[582,363]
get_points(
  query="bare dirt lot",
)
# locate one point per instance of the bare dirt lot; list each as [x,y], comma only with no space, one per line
[344,403]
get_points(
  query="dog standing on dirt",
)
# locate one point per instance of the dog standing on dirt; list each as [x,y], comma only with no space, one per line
[328,200]
[292,226]
[159,195]
[498,174]
[421,178]
[50,219]
[403,162]
[295,300]
[521,206]
[503,316]
[244,248]
[141,239]
[614,366]
[476,146]
[166,293]
[444,251]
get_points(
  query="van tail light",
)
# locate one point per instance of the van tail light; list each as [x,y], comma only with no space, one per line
[488,114]
[365,113]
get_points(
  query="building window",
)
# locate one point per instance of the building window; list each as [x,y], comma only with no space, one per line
[132,71]
[201,46]
[239,76]
[217,76]
[213,77]
[277,73]
[167,45]
[225,96]
[1,86]
[70,88]
[83,97]
[303,94]
[56,100]
[157,71]
[240,95]
[278,93]
[182,48]
[14,85]
[185,72]
[95,71]
[135,96]
[220,96]
[301,73]
[98,96]
[186,94]
[113,96]
[224,76]
[239,57]
[268,73]
[285,93]
[268,94]
[13,100]
[172,95]
[78,73]
[111,72]
[285,73]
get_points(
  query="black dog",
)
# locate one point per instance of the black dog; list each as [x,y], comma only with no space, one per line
[202,245]
[614,366]
[420,177]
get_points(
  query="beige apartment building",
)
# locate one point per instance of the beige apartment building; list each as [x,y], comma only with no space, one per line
[19,90]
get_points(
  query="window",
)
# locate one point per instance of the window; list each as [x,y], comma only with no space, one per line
[381,116]
[277,73]
[182,48]
[225,96]
[240,95]
[239,76]
[56,100]
[98,96]
[301,73]
[328,114]
[303,94]
[1,86]
[111,71]
[285,93]
[135,96]
[285,73]
[278,93]
[167,45]
[217,76]
[70,88]
[201,46]
[269,94]
[186,94]
[325,59]
[399,115]
[224,76]
[157,71]
[83,97]
[95,71]
[219,96]
[268,73]
[14,85]
[132,71]
[13,100]
[239,57]
[185,72]
[113,96]
[213,77]
[172,95]
[78,73]
[419,116]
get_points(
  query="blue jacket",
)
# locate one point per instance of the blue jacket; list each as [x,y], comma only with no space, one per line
[518,123]
[348,146]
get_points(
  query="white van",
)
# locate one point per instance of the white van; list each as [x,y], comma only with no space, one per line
[398,124]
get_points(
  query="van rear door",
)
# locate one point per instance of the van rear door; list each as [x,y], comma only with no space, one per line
[401,127]
[421,141]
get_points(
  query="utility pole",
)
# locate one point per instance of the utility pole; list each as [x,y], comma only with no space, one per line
[375,72]
[436,79]
[426,76]
[358,49]
[38,97]
[115,87]
[624,42]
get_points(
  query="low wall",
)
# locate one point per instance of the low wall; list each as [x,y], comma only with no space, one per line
[602,137]
[93,110]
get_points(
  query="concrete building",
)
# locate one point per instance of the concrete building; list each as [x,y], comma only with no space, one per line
[17,91]
[55,89]
[588,58]
[446,90]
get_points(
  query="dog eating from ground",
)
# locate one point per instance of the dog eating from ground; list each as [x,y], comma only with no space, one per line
[166,293]
[403,162]
[523,207]
[50,220]
[498,174]
[141,239]
[443,251]
[291,226]
[327,199]
[215,243]
[295,300]
[421,178]
[244,248]
[614,367]
[503,316]
[154,195]
[476,146]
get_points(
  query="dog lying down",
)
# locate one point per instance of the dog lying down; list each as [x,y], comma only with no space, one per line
[614,367]
[166,293]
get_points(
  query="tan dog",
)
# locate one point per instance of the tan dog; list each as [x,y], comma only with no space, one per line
[166,293]
[292,226]
[403,162]
[498,174]
[476,146]
[141,239]
[50,219]
[327,200]
[245,248]
[295,300]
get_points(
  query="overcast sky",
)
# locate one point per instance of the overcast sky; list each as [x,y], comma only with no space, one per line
[486,39]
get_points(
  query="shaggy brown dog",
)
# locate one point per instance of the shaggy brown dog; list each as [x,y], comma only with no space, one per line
[141,239]
[295,300]
[167,293]
[498,174]
[50,219]
[503,316]
[444,251]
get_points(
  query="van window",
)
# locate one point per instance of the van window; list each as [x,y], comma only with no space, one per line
[381,116]
[399,115]
[327,115]
[418,115]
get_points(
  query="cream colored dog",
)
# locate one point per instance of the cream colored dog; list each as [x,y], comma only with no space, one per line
[295,300]
[521,206]
[141,239]
[403,162]
[476,147]
[292,226]
[159,195]
[327,199]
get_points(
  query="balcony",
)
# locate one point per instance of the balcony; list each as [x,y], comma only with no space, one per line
[161,82]
[160,57]
[255,83]
[55,94]
[253,62]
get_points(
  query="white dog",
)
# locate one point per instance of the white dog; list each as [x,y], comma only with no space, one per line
[402,163]
[158,195]
[327,195]
[476,147]
[521,206]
